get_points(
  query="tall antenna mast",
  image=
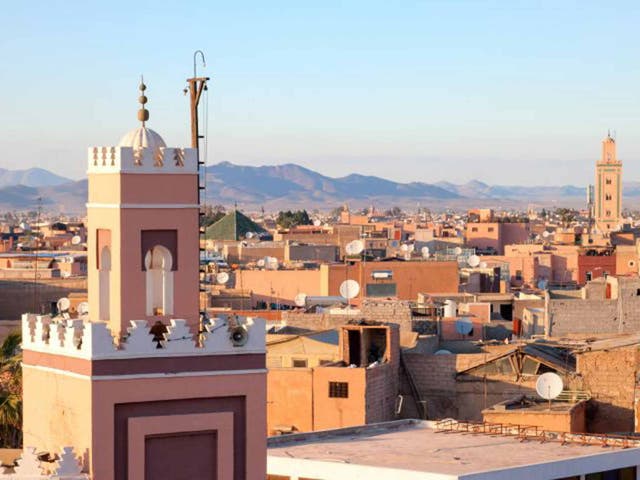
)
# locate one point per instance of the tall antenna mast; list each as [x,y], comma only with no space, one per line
[196,85]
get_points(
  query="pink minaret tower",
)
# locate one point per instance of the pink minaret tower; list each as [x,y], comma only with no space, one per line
[182,403]
[608,201]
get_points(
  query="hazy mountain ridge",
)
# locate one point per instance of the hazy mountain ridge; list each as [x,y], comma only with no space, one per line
[32,177]
[293,186]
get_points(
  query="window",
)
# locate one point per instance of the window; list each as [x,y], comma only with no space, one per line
[324,361]
[519,275]
[474,229]
[338,390]
[381,290]
[608,213]
[589,276]
[608,181]
[300,363]
[490,229]
[607,196]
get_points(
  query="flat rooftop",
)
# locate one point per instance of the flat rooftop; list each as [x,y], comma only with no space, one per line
[415,450]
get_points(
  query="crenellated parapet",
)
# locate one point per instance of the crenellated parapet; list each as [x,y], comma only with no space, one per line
[142,160]
[30,467]
[94,341]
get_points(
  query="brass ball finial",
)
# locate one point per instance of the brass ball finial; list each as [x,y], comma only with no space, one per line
[143,113]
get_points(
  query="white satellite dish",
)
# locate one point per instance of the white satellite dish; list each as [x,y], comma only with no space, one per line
[76,240]
[412,247]
[457,251]
[473,261]
[63,305]
[425,252]
[300,300]
[443,352]
[249,235]
[549,385]
[222,278]
[83,308]
[317,223]
[349,289]
[271,263]
[404,247]
[545,234]
[483,264]
[354,247]
[261,263]
[464,326]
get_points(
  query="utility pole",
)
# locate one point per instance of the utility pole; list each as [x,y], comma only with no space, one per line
[197,85]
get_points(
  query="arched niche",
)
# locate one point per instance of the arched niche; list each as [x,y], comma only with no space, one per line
[158,262]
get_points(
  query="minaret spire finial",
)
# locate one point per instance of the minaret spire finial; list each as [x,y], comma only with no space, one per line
[143,113]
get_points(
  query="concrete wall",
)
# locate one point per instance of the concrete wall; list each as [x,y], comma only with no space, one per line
[17,296]
[289,399]
[597,315]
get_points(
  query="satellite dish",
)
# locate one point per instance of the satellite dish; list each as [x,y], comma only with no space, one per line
[300,300]
[83,308]
[261,262]
[412,247]
[317,223]
[443,352]
[222,278]
[542,284]
[354,247]
[63,305]
[349,289]
[394,243]
[545,234]
[473,261]
[404,247]
[483,264]
[271,263]
[425,252]
[464,326]
[457,251]
[549,385]
[249,235]
[76,240]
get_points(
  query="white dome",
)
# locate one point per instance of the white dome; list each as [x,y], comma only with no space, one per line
[142,137]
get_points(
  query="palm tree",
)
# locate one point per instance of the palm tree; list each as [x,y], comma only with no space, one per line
[11,392]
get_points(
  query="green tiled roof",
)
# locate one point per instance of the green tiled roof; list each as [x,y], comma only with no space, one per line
[233,226]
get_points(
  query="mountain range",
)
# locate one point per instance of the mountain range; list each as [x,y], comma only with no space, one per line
[293,186]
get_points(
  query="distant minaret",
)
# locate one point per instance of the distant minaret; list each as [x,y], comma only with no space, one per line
[608,201]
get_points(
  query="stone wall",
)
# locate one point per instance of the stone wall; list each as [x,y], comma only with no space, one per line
[610,377]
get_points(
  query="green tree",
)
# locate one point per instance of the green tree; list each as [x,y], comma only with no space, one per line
[212,215]
[291,219]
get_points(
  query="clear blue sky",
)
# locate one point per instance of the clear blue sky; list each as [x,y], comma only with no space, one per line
[506,92]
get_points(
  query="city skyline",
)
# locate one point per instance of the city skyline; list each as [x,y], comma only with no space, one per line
[338,89]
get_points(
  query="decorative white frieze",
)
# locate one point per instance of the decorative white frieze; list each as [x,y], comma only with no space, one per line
[93,340]
[142,160]
[29,467]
